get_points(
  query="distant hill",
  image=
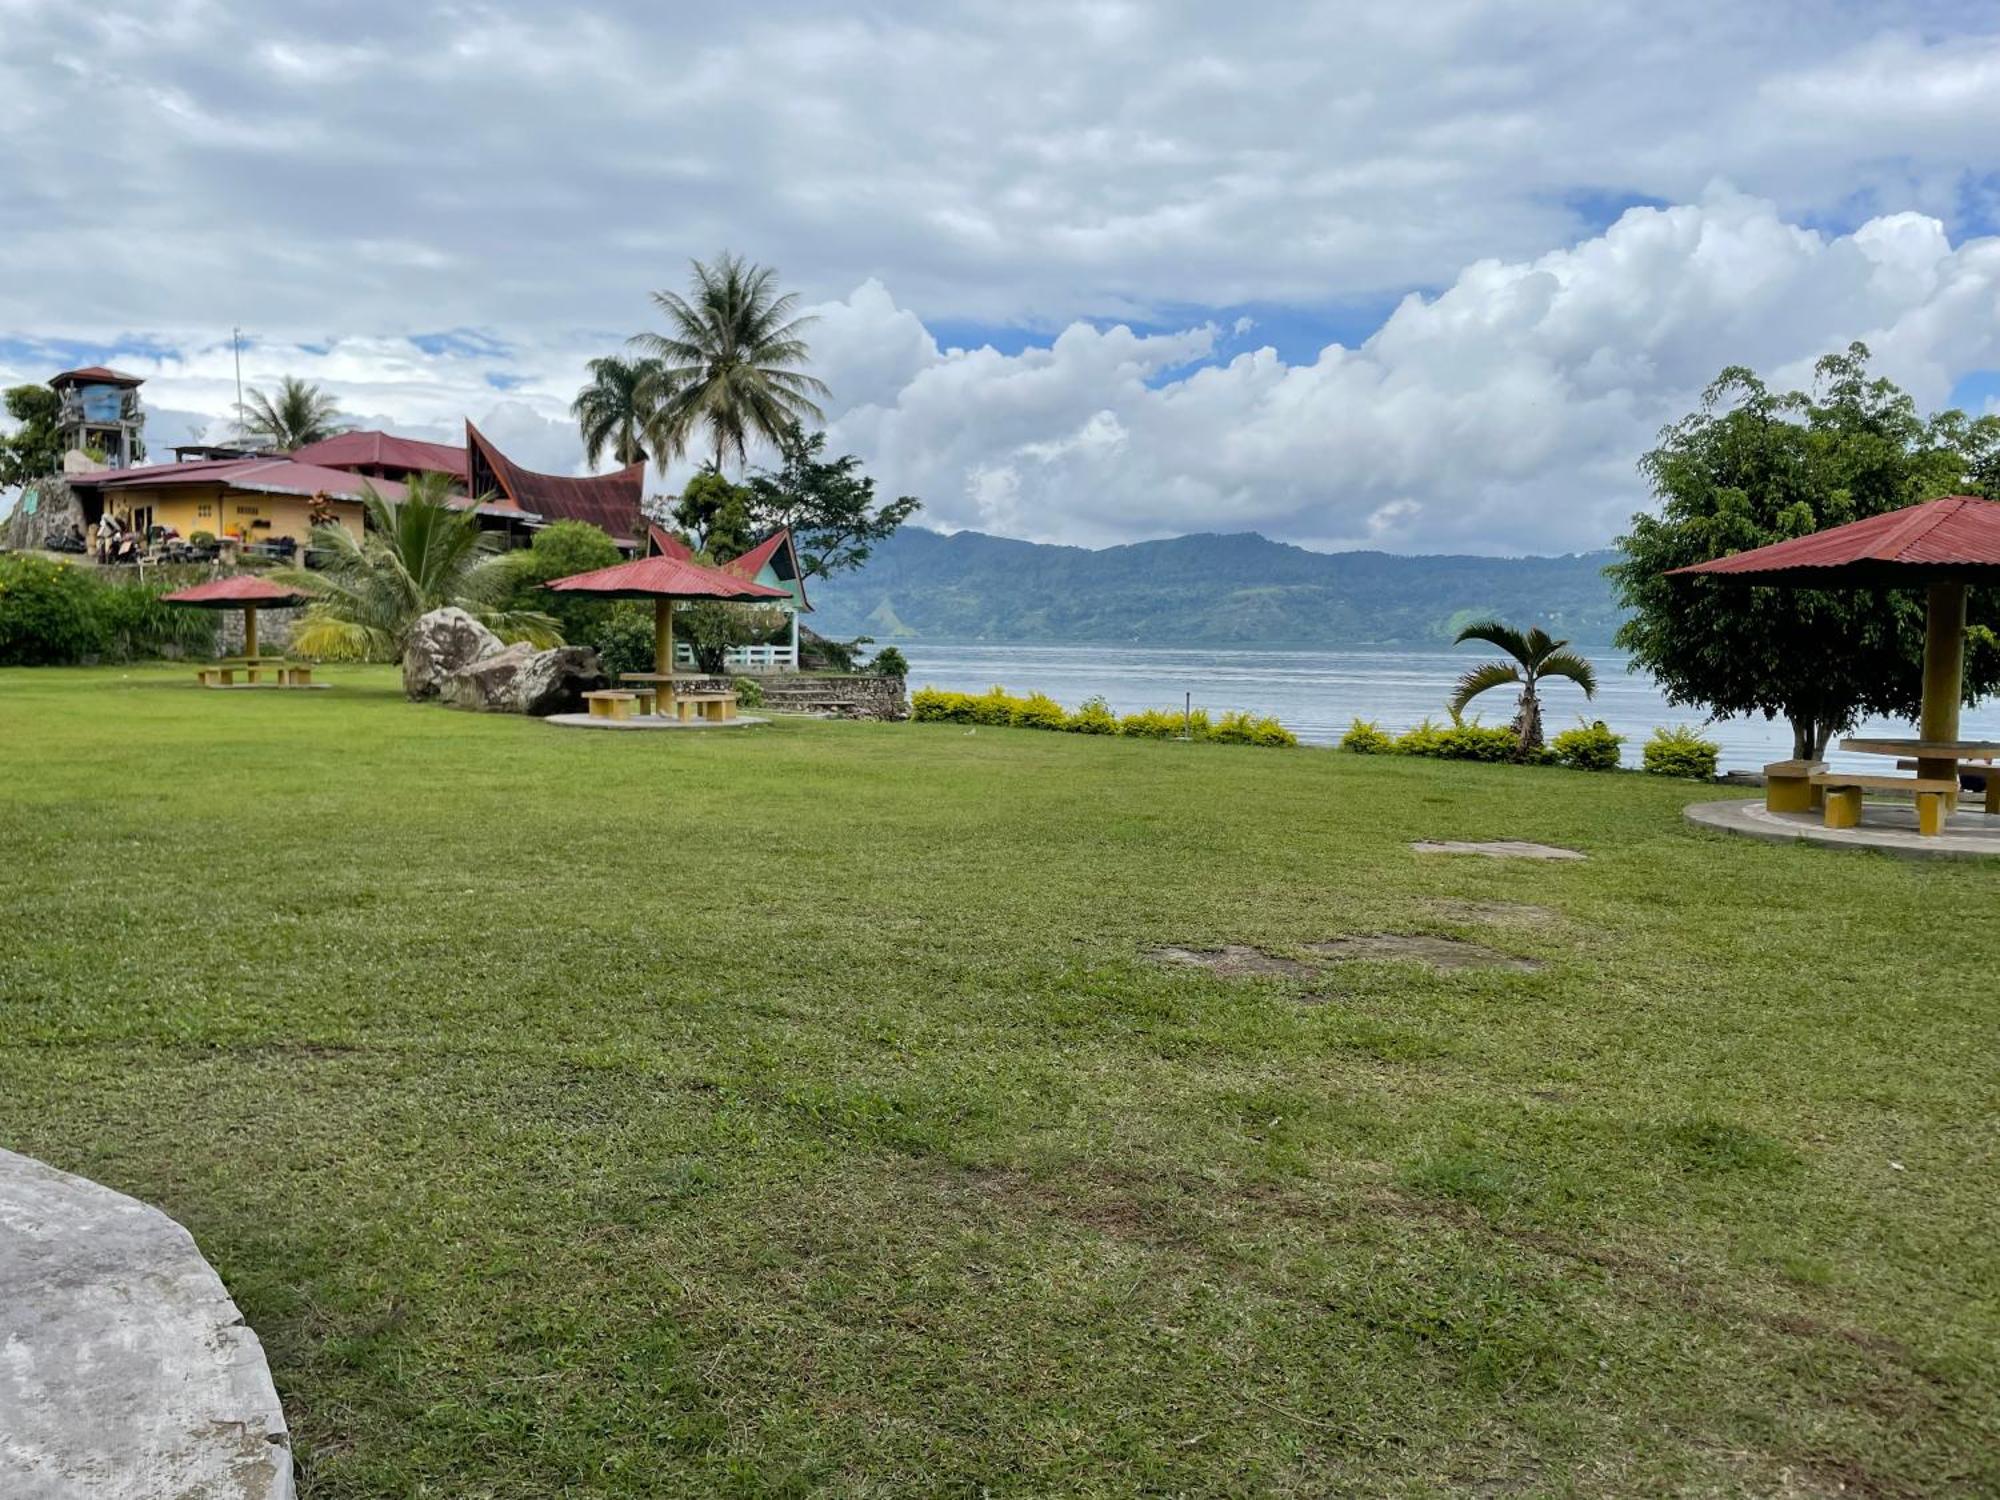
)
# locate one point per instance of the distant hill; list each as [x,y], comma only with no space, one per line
[1220,590]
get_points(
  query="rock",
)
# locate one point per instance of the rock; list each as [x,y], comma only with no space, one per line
[491,684]
[554,682]
[441,643]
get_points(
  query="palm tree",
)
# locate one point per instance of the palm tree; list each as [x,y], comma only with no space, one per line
[1535,656]
[728,366]
[416,554]
[613,410]
[300,413]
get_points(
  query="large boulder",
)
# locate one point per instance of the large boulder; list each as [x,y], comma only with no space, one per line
[443,642]
[554,682]
[491,684]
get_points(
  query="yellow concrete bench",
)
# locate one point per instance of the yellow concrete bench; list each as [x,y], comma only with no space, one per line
[611,704]
[1843,791]
[295,674]
[649,700]
[717,708]
[1788,785]
[1985,766]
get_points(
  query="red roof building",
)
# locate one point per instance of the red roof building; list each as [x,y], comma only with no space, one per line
[383,455]
[609,501]
[1956,538]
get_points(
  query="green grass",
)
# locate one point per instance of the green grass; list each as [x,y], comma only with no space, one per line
[791,1112]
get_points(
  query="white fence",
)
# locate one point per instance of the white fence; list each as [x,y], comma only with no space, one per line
[746,658]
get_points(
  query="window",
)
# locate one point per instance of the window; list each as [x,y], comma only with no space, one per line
[203,512]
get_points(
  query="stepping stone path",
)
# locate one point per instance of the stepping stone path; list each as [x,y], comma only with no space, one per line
[1498,849]
[1497,913]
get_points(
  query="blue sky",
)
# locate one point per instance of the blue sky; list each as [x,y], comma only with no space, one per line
[1357,274]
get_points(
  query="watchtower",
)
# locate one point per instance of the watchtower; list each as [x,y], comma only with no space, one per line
[100,414]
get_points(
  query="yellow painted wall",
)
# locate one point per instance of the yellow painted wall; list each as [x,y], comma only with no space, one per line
[189,509]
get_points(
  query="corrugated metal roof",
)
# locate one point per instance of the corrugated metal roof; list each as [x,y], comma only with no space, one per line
[751,563]
[609,501]
[664,578]
[1955,537]
[668,545]
[263,476]
[353,450]
[235,592]
[95,375]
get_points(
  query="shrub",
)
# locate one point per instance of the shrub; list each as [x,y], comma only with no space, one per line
[1458,741]
[1238,728]
[889,662]
[1365,737]
[624,638]
[749,692]
[993,706]
[1152,724]
[135,623]
[1093,716]
[929,705]
[1588,747]
[1038,711]
[1680,751]
[48,612]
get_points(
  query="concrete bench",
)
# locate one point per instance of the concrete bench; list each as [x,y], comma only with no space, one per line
[1843,791]
[1788,785]
[1985,768]
[611,704]
[717,708]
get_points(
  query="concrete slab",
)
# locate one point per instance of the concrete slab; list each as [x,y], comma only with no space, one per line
[650,721]
[1886,827]
[1496,849]
[125,1369]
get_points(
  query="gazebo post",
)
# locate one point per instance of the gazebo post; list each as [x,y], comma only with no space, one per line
[663,639]
[1944,674]
[250,631]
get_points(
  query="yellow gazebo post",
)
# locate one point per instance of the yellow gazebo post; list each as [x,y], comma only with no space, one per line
[1944,676]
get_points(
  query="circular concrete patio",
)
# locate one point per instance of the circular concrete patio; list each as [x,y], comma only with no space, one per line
[1887,827]
[650,721]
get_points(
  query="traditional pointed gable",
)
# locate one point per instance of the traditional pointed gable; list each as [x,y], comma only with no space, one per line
[665,544]
[608,501]
[774,561]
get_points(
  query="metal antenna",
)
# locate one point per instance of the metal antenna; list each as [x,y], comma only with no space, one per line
[236,344]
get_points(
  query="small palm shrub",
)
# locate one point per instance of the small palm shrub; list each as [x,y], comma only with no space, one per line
[749,692]
[996,706]
[1152,724]
[1680,751]
[1458,741]
[1366,737]
[1588,747]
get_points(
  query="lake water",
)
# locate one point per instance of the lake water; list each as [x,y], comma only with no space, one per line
[1317,694]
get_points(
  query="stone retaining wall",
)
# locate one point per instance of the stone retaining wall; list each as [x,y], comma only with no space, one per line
[854,697]
[128,1372]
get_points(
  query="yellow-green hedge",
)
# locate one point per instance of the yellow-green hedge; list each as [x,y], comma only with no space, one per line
[998,707]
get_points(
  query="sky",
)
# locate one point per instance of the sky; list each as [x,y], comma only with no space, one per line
[1415,277]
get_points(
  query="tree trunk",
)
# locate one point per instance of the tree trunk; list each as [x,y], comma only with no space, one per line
[1528,723]
[1809,739]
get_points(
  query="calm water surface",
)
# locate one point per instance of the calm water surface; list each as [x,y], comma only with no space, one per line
[1317,693]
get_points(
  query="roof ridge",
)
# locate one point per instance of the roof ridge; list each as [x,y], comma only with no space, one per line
[1927,517]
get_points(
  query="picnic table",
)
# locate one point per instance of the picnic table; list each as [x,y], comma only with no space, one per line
[709,705]
[1936,758]
[223,673]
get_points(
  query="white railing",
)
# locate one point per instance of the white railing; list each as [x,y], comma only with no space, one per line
[745,658]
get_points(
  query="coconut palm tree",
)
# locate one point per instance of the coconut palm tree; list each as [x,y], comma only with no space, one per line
[299,413]
[1535,656]
[728,364]
[613,410]
[416,554]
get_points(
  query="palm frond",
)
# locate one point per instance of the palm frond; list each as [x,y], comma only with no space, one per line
[1562,662]
[1497,633]
[1486,675]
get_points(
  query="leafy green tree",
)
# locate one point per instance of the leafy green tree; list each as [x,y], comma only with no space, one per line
[829,504]
[33,450]
[613,410]
[728,367]
[417,554]
[557,551]
[716,514]
[1755,466]
[1535,657]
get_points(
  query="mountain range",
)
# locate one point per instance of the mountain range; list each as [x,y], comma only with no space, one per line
[1236,589]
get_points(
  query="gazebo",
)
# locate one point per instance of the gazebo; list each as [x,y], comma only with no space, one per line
[667,581]
[246,592]
[1943,546]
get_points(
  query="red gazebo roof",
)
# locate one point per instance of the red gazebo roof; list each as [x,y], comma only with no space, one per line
[1956,539]
[237,592]
[663,578]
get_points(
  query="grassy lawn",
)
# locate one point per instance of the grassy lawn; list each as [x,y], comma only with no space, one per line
[793,1112]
